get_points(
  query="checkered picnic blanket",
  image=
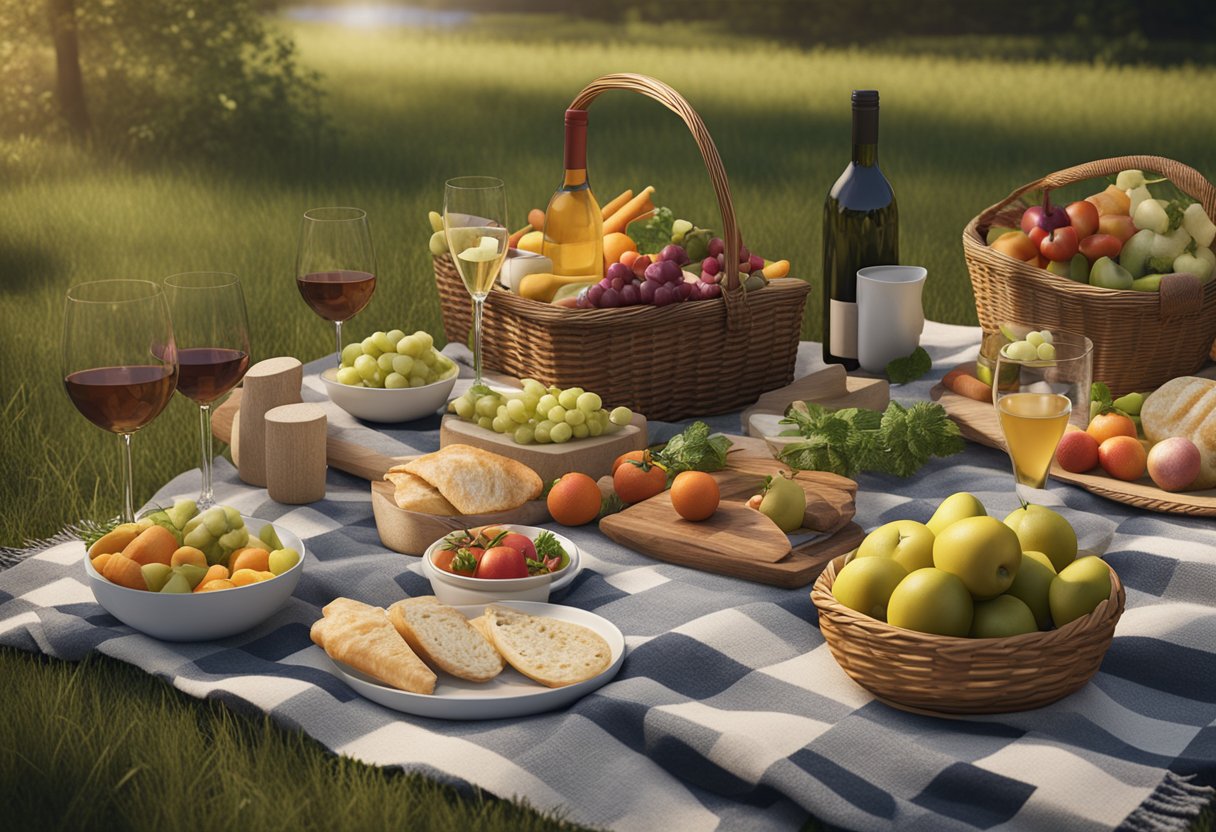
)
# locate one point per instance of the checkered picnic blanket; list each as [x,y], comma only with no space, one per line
[729,711]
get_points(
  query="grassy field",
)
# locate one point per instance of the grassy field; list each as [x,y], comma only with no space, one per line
[414,108]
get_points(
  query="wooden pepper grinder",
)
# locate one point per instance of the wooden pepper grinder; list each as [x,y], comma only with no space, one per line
[268,384]
[295,453]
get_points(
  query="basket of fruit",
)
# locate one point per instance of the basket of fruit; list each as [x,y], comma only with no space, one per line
[663,328]
[1127,267]
[965,617]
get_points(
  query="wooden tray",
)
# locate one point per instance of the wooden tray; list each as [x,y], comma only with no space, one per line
[978,422]
[739,541]
[831,387]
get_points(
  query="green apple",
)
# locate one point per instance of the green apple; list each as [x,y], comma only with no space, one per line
[982,551]
[1109,275]
[1079,587]
[907,542]
[177,584]
[192,573]
[1002,616]
[1039,529]
[1032,584]
[784,503]
[953,508]
[270,537]
[283,559]
[866,584]
[931,601]
[155,575]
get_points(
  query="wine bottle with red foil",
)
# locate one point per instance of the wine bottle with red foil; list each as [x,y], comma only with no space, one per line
[574,225]
[860,228]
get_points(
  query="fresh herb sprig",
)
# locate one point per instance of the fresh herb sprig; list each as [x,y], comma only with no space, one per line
[694,450]
[909,368]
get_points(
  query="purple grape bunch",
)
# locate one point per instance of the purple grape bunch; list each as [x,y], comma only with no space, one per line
[659,281]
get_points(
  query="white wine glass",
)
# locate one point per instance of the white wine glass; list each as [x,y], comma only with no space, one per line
[475,223]
[1044,393]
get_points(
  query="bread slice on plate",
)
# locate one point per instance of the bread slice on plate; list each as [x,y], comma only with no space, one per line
[361,636]
[546,650]
[445,639]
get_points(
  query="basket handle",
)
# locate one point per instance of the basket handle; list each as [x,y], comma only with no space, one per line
[737,313]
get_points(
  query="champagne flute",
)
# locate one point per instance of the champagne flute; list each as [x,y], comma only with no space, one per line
[211,330]
[119,361]
[1043,395]
[335,265]
[475,223]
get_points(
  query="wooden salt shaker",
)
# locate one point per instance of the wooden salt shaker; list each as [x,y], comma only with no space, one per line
[268,384]
[295,453]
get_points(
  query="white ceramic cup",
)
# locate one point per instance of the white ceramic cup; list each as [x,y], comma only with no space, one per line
[889,314]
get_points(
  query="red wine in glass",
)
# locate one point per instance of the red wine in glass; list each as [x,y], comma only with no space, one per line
[336,265]
[337,295]
[121,399]
[206,373]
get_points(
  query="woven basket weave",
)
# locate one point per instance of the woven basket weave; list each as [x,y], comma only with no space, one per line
[1141,339]
[672,362]
[944,675]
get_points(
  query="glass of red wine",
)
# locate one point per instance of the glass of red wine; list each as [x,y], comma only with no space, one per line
[119,360]
[335,265]
[212,334]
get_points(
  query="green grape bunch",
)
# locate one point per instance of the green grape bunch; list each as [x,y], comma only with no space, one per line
[539,414]
[394,360]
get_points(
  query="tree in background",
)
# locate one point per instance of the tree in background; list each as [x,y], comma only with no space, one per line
[69,84]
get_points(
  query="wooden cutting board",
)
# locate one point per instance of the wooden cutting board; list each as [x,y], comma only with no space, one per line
[739,541]
[978,423]
[831,387]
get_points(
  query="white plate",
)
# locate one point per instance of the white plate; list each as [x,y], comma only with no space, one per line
[508,695]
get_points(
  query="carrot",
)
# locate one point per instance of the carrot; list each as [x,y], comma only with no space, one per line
[967,385]
[155,544]
[537,219]
[612,207]
[513,240]
[630,211]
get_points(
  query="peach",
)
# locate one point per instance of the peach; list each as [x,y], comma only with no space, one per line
[155,544]
[124,571]
[1077,451]
[1017,245]
[1123,457]
[250,558]
[1174,463]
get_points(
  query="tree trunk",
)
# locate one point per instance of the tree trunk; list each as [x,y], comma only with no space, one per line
[69,86]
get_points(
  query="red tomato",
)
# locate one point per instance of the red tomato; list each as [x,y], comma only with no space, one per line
[501,562]
[1084,217]
[1060,244]
[443,559]
[1037,236]
[519,542]
[1100,245]
[637,481]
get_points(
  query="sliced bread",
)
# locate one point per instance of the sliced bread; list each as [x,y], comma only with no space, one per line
[546,650]
[361,636]
[445,639]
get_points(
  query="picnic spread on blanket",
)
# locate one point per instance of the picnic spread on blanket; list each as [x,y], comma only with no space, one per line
[644,556]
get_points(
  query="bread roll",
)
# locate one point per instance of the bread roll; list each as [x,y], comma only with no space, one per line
[1185,406]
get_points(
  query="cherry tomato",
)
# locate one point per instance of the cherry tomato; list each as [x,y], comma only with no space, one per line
[637,481]
[1096,246]
[636,456]
[501,562]
[1060,244]
[519,542]
[1037,236]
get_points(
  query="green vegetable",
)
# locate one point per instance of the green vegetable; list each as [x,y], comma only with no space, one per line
[903,370]
[654,234]
[896,441]
[464,561]
[548,547]
[694,450]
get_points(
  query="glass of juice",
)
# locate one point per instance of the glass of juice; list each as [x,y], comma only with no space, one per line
[475,222]
[336,265]
[1051,391]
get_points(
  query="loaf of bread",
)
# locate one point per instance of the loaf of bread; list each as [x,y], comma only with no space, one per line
[547,650]
[445,639]
[1185,406]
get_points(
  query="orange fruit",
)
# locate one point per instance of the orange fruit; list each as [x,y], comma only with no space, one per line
[1105,425]
[218,583]
[635,481]
[574,499]
[636,456]
[250,558]
[694,495]
[616,244]
[1123,457]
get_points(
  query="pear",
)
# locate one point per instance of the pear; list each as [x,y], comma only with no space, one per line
[955,507]
[784,503]
[155,575]
[177,583]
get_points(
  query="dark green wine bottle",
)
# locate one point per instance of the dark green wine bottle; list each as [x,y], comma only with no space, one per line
[860,228]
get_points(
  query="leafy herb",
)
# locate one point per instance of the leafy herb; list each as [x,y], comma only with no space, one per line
[896,441]
[547,546]
[652,234]
[903,370]
[694,450]
[610,505]
[91,531]
[464,561]
[1100,395]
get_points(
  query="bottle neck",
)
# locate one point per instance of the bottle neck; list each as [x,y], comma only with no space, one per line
[576,155]
[865,136]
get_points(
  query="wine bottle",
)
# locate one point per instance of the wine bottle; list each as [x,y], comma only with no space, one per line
[860,228]
[574,225]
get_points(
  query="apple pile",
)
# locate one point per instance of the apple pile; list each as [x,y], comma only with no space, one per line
[965,574]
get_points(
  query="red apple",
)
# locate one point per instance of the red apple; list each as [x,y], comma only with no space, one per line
[1096,246]
[1037,236]
[1060,244]
[1084,216]
[1117,225]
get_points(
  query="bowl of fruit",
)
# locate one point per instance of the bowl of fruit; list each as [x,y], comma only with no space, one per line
[968,614]
[500,563]
[391,377]
[183,575]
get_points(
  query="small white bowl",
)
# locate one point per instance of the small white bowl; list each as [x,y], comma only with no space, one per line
[376,404]
[200,616]
[459,590]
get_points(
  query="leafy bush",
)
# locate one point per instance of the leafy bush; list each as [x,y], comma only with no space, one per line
[166,77]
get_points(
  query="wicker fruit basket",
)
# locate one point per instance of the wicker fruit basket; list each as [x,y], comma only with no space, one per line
[1141,339]
[944,675]
[669,363]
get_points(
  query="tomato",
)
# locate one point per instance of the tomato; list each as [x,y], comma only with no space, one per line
[636,456]
[520,542]
[1060,244]
[446,558]
[1037,236]
[443,559]
[501,562]
[1084,217]
[1096,246]
[637,481]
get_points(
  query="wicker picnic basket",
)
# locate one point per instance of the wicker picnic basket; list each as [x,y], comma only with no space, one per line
[944,675]
[671,362]
[1141,339]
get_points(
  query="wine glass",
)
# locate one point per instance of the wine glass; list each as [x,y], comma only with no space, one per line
[335,265]
[475,222]
[1041,396]
[211,330]
[119,360]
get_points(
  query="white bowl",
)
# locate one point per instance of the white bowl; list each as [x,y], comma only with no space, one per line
[458,590]
[376,404]
[205,615]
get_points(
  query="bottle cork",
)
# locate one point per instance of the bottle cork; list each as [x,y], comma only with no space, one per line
[268,384]
[295,453]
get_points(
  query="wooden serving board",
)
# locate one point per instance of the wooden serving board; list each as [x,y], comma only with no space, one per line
[978,422]
[831,387]
[592,456]
[739,541]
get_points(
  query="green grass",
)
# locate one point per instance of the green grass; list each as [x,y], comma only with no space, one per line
[415,108]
